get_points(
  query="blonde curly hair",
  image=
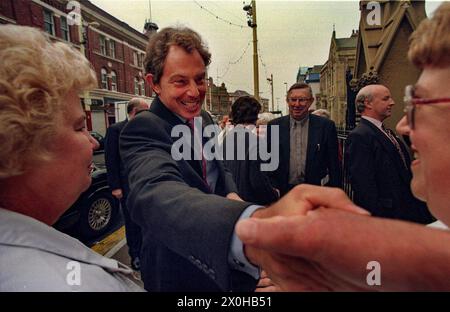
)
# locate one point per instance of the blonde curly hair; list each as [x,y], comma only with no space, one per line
[430,43]
[35,77]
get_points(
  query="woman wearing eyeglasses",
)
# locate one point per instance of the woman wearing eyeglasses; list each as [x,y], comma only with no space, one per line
[331,249]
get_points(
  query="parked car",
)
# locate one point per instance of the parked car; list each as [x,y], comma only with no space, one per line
[101,141]
[94,213]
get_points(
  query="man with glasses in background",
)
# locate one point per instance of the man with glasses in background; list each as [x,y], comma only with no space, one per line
[379,163]
[308,144]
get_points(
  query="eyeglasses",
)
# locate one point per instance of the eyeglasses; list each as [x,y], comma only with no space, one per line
[411,101]
[301,100]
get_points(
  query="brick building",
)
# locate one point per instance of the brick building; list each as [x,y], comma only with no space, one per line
[115,50]
[217,99]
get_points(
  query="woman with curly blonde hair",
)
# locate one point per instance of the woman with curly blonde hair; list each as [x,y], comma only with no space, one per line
[45,164]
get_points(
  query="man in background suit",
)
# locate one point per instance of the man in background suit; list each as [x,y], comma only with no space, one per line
[252,183]
[308,144]
[379,163]
[118,180]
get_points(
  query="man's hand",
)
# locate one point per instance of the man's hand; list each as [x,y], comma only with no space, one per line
[234,196]
[117,193]
[298,202]
[304,198]
[265,284]
[330,249]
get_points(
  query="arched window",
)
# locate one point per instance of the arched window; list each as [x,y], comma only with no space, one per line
[104,77]
[113,81]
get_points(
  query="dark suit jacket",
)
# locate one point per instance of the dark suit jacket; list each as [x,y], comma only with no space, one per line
[186,229]
[321,155]
[380,180]
[252,183]
[116,176]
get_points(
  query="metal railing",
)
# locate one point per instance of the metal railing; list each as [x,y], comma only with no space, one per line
[346,185]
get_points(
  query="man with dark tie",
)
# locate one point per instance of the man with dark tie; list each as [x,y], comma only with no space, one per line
[378,162]
[308,144]
[187,207]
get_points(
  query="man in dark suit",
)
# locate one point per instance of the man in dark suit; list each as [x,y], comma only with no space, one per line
[308,144]
[187,207]
[378,162]
[118,180]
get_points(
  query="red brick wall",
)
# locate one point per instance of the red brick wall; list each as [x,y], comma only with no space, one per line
[6,9]
[26,12]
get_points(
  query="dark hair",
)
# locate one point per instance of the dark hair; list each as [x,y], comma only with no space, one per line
[299,85]
[245,110]
[159,44]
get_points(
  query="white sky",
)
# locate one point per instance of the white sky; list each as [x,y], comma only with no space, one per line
[290,34]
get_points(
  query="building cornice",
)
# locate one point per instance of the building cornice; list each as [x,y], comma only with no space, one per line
[102,93]
[50,8]
[6,19]
[87,11]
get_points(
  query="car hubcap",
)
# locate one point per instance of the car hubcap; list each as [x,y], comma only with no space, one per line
[100,214]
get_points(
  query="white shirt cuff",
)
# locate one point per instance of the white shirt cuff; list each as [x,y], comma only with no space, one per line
[237,258]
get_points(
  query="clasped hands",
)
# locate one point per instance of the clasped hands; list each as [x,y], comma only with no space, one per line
[281,240]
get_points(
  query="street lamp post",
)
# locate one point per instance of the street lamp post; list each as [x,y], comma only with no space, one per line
[251,15]
[270,80]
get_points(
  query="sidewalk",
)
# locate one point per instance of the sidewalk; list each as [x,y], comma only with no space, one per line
[115,247]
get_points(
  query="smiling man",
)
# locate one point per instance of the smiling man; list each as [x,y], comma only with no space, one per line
[379,163]
[186,208]
[308,144]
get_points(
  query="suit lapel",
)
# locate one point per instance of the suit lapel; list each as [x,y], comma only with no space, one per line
[390,149]
[159,109]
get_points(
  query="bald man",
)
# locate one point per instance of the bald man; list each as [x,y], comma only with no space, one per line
[118,180]
[379,163]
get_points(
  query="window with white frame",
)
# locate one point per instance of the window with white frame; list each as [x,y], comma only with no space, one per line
[135,58]
[49,25]
[65,32]
[112,48]
[136,86]
[102,40]
[113,81]
[104,78]
[142,85]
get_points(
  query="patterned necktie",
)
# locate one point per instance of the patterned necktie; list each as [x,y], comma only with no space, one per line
[394,141]
[190,123]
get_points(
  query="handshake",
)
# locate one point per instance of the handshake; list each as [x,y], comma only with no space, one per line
[316,239]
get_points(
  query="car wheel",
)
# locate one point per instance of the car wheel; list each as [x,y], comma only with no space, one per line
[98,215]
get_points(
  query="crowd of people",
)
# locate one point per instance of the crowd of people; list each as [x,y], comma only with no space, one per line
[202,224]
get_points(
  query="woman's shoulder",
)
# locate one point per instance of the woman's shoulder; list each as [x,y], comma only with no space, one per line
[33,269]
